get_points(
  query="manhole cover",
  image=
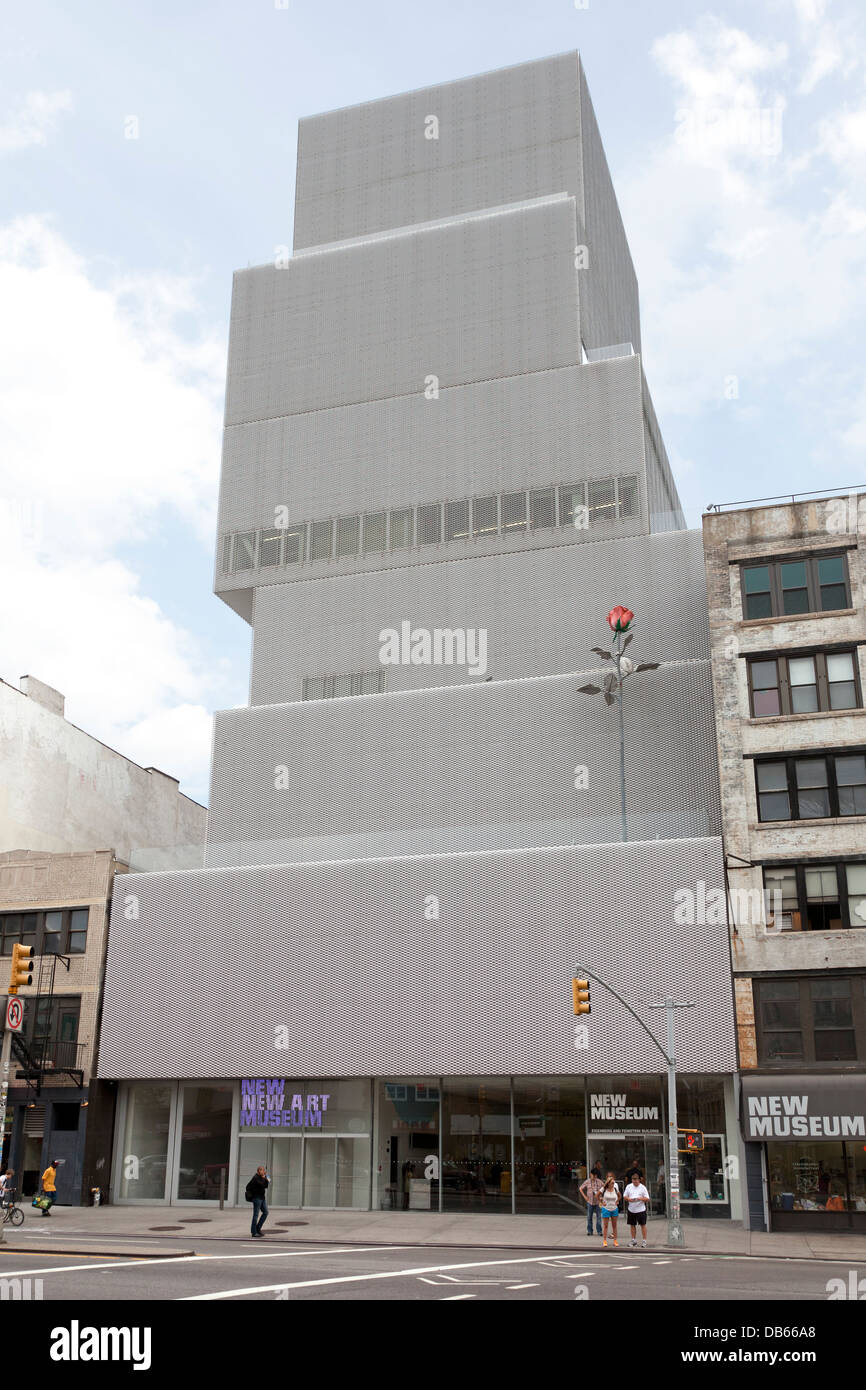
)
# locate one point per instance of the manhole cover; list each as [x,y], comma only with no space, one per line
[165,1228]
[192,1220]
[291,1223]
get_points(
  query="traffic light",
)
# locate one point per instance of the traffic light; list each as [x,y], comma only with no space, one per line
[580,991]
[690,1140]
[22,967]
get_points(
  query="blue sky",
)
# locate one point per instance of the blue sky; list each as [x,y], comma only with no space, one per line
[148,151]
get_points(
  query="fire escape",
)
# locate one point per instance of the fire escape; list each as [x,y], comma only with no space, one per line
[41,1057]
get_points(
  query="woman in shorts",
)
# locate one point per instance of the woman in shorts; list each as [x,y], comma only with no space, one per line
[609,1207]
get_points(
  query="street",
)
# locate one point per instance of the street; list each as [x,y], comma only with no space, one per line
[243,1270]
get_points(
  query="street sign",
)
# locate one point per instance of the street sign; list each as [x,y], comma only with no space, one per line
[14,1014]
[690,1140]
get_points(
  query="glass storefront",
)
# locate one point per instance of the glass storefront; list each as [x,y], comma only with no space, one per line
[824,1180]
[549,1144]
[473,1144]
[476,1144]
[143,1159]
[205,1141]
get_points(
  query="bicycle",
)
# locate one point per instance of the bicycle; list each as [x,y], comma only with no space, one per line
[12,1214]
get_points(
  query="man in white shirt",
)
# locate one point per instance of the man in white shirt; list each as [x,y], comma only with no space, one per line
[636,1197]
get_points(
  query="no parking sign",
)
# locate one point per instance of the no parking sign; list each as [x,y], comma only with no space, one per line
[14,1014]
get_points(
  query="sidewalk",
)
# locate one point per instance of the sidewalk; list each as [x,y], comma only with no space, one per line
[95,1229]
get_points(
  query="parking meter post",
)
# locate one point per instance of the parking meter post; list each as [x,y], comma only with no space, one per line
[5,1063]
[222,1188]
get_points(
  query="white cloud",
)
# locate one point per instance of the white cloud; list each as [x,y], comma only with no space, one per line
[34,120]
[110,423]
[746,270]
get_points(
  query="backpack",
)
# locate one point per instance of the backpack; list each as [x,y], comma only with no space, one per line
[247,1193]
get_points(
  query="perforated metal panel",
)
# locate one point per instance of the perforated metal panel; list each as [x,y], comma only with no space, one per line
[542,612]
[463,768]
[343,957]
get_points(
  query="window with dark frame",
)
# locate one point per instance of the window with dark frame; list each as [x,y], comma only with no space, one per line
[810,1020]
[60,931]
[338,687]
[803,683]
[779,588]
[827,896]
[811,788]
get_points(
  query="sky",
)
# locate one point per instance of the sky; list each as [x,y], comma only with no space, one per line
[148,151]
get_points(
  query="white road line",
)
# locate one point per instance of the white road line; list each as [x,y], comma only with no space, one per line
[456,1297]
[523,1286]
[352,1279]
[199,1259]
[584,1274]
[662,1262]
[625,1266]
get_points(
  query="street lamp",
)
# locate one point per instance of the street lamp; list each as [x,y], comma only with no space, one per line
[620,620]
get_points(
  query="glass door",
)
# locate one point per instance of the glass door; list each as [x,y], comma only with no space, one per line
[284,1171]
[320,1172]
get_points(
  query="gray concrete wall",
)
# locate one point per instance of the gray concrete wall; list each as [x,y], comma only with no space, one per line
[63,791]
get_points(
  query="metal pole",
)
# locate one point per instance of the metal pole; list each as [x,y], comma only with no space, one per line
[675,1228]
[618,660]
[222,1188]
[4,1095]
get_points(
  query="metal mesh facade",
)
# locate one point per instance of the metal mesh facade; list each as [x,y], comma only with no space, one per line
[342,956]
[542,610]
[380,880]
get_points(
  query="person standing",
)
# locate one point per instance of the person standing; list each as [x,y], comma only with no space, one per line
[590,1190]
[257,1189]
[637,1197]
[49,1187]
[609,1206]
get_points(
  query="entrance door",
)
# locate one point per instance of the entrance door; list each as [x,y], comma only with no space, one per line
[619,1155]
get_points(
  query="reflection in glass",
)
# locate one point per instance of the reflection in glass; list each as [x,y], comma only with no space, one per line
[205,1140]
[145,1140]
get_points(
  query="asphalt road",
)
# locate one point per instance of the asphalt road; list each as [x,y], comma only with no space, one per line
[246,1270]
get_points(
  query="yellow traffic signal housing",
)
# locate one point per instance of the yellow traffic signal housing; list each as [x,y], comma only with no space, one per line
[22,967]
[580,991]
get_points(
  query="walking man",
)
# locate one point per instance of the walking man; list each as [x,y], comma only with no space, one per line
[637,1197]
[256,1193]
[590,1190]
[49,1186]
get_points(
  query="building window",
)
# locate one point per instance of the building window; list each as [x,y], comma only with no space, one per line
[61,932]
[485,516]
[270,548]
[513,512]
[629,498]
[374,532]
[430,524]
[401,529]
[817,584]
[245,551]
[811,788]
[542,508]
[810,1020]
[803,684]
[295,544]
[601,500]
[337,687]
[816,897]
[457,521]
[572,501]
[227,554]
[321,540]
[348,535]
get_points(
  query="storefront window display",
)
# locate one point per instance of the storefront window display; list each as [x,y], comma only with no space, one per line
[205,1142]
[145,1142]
[703,1170]
[407,1144]
[549,1144]
[476,1144]
[808,1177]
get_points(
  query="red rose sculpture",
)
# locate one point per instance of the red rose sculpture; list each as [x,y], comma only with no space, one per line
[620,619]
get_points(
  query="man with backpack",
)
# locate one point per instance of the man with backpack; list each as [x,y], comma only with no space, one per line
[256,1192]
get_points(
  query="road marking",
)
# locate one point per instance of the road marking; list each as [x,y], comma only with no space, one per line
[198,1259]
[662,1262]
[353,1279]
[456,1297]
[524,1286]
[625,1266]
[584,1274]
